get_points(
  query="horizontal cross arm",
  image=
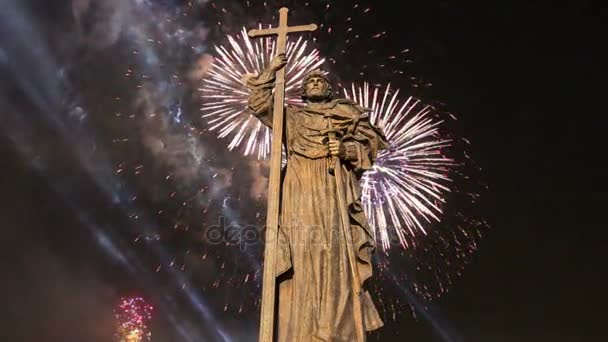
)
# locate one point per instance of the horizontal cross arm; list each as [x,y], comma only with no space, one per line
[302,28]
[262,32]
[278,30]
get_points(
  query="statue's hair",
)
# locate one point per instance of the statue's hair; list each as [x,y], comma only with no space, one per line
[329,95]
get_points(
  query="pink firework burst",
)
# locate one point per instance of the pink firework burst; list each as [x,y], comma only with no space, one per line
[133,315]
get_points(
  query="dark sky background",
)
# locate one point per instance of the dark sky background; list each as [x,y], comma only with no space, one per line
[523,77]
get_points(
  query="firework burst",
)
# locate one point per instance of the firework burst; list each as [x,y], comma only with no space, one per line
[403,193]
[225,95]
[133,315]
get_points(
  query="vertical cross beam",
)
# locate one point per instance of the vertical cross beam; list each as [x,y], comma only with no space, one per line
[274,182]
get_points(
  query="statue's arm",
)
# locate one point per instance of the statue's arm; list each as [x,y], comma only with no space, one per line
[260,96]
[261,99]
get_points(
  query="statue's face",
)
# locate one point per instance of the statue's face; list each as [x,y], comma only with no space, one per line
[315,89]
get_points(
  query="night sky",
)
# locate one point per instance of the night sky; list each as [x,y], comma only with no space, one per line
[524,79]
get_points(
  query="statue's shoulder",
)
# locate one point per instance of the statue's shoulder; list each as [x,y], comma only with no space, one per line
[349,107]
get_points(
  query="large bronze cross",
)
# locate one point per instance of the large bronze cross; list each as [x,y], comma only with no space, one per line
[274,182]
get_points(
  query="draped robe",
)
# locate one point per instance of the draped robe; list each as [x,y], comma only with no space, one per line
[315,291]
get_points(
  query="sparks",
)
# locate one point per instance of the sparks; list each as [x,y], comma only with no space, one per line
[133,315]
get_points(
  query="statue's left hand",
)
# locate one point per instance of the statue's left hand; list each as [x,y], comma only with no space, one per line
[337,148]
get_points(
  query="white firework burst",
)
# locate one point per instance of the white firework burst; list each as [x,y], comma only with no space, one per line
[404,192]
[225,95]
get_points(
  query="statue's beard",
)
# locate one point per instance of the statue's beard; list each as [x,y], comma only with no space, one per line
[317,97]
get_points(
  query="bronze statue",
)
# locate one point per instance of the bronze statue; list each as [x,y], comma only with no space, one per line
[321,256]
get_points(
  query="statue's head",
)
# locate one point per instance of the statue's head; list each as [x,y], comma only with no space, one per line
[316,87]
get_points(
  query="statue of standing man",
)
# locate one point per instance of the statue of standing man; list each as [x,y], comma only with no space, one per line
[321,271]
